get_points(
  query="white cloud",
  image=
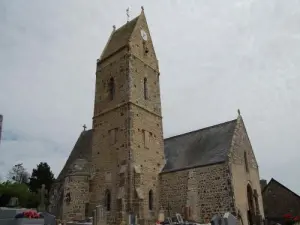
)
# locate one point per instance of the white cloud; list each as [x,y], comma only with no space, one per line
[215,57]
[22,148]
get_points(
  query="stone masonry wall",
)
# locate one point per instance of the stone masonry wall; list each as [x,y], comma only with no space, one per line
[147,151]
[215,194]
[115,67]
[139,71]
[207,190]
[110,154]
[138,45]
[134,116]
[146,140]
[146,134]
[78,189]
[110,136]
[173,191]
[56,199]
[241,150]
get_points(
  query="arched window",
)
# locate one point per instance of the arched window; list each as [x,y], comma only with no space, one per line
[111,87]
[107,200]
[246,162]
[150,200]
[145,89]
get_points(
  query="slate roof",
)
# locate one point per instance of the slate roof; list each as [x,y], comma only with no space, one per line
[81,150]
[119,38]
[202,147]
[199,148]
[275,182]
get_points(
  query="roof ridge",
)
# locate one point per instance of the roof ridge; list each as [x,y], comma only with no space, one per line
[205,128]
[85,132]
[272,179]
[118,39]
[73,154]
[125,24]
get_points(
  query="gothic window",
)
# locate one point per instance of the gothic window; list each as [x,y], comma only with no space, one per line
[150,200]
[107,200]
[111,87]
[246,162]
[145,89]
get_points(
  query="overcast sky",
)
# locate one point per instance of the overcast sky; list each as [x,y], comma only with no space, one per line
[215,57]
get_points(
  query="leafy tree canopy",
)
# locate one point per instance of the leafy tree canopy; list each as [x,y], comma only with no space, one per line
[41,175]
[24,188]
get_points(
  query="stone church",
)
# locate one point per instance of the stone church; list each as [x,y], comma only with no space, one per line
[125,165]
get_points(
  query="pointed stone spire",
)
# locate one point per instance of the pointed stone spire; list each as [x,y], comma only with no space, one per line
[142,7]
[239,112]
[115,42]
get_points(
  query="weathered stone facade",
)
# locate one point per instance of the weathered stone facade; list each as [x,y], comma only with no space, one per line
[207,190]
[77,189]
[245,174]
[57,198]
[70,192]
[120,163]
[127,149]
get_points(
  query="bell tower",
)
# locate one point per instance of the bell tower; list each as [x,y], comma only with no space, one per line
[127,149]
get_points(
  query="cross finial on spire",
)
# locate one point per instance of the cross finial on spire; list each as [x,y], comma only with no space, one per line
[142,7]
[114,27]
[84,127]
[239,112]
[127,13]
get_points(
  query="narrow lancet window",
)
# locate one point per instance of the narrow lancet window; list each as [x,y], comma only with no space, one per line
[145,89]
[107,200]
[111,87]
[150,200]
[246,162]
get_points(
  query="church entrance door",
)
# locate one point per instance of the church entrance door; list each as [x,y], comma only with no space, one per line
[251,211]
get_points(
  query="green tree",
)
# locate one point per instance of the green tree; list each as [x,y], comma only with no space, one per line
[10,189]
[41,175]
[18,174]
